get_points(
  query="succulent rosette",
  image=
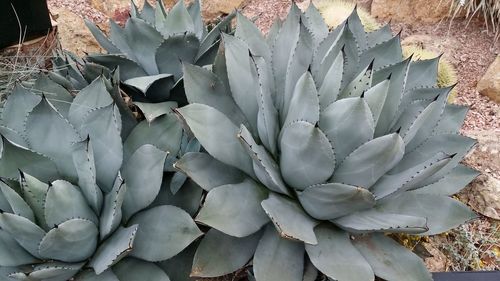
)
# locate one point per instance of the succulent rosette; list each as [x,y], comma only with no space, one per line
[79,200]
[317,144]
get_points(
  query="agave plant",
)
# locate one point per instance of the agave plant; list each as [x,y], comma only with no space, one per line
[78,202]
[319,143]
[153,44]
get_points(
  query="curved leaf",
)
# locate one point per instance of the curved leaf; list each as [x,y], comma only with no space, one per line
[377,221]
[71,241]
[155,240]
[290,220]
[365,165]
[64,201]
[391,261]
[17,204]
[143,173]
[207,171]
[11,253]
[217,134]
[304,102]
[25,232]
[332,200]
[225,211]
[220,254]
[277,258]
[113,249]
[338,121]
[335,256]
[307,157]
[131,269]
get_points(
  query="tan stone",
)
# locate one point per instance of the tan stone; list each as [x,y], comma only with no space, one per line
[111,7]
[215,8]
[483,195]
[438,262]
[410,11]
[73,33]
[489,85]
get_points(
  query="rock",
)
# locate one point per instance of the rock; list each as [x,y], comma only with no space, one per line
[410,11]
[438,262]
[486,156]
[112,7]
[73,33]
[483,195]
[215,8]
[489,85]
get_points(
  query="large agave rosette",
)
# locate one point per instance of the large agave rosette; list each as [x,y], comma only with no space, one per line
[78,202]
[318,143]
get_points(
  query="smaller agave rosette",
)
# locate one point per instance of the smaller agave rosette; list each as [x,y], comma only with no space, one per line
[319,143]
[78,202]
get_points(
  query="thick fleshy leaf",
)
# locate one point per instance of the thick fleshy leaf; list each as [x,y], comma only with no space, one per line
[155,87]
[111,214]
[114,249]
[56,94]
[282,49]
[225,210]
[217,134]
[156,240]
[15,158]
[17,204]
[35,192]
[398,73]
[88,99]
[11,253]
[25,232]
[53,271]
[335,256]
[164,132]
[304,103]
[391,261]
[131,269]
[247,31]
[188,198]
[298,64]
[333,200]
[267,119]
[243,89]
[375,98]
[143,173]
[128,68]
[365,165]
[64,201]
[315,23]
[143,40]
[330,88]
[385,53]
[307,156]
[266,169]
[423,73]
[17,106]
[220,254]
[103,126]
[450,214]
[410,178]
[71,241]
[452,119]
[277,258]
[203,86]
[289,218]
[194,10]
[359,84]
[178,268]
[376,221]
[83,159]
[99,36]
[15,137]
[451,183]
[207,171]
[211,39]
[338,120]
[175,51]
[178,20]
[153,110]
[49,133]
